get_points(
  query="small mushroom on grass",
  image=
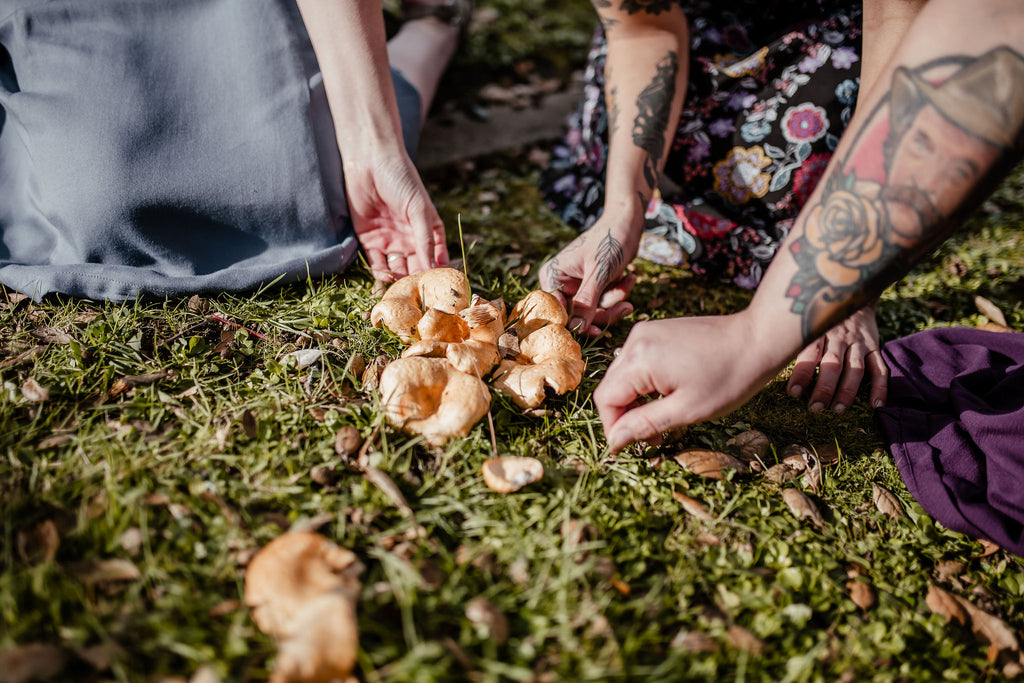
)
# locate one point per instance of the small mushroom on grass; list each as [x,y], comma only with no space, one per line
[428,396]
[548,355]
[404,303]
[302,589]
[511,473]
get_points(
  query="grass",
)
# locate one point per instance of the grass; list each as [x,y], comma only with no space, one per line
[183,477]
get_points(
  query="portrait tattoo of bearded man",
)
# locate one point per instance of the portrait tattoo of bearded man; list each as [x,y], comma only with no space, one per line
[926,156]
[654,105]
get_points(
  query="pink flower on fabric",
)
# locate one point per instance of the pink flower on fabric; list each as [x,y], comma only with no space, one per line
[804,123]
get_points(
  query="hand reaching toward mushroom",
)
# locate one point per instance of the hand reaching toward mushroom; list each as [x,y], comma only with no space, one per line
[586,276]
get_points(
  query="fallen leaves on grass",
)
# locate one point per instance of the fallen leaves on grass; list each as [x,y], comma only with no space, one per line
[34,392]
[39,544]
[692,506]
[31,662]
[99,572]
[752,445]
[987,628]
[861,593]
[802,507]
[990,311]
[886,502]
[709,464]
[303,588]
[506,474]
[742,639]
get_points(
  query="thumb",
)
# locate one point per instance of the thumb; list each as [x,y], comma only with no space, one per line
[645,421]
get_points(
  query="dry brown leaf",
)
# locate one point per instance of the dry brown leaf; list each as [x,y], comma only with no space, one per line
[105,571]
[990,311]
[752,445]
[484,614]
[101,655]
[509,473]
[389,488]
[948,571]
[994,327]
[945,605]
[249,426]
[742,639]
[780,473]
[347,442]
[861,594]
[988,628]
[51,335]
[40,544]
[31,662]
[709,464]
[828,453]
[886,502]
[33,391]
[695,642]
[987,548]
[131,540]
[802,506]
[692,505]
[303,358]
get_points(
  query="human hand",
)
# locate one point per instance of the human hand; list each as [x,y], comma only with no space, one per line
[841,357]
[586,276]
[394,219]
[681,371]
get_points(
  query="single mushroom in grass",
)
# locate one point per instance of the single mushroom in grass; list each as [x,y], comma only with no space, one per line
[547,357]
[428,396]
[468,339]
[405,302]
[303,589]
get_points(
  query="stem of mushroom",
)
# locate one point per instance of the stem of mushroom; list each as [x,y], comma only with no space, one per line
[494,440]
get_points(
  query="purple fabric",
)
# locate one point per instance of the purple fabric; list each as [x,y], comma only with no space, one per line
[955,423]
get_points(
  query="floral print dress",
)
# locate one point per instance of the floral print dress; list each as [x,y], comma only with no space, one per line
[772,86]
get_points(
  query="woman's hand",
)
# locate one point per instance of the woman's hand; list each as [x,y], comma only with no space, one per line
[681,371]
[842,356]
[394,219]
[587,274]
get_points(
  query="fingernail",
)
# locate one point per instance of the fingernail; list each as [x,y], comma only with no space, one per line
[796,390]
[878,403]
[817,407]
[575,324]
[840,408]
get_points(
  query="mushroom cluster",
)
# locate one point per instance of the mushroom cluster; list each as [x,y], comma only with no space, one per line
[436,388]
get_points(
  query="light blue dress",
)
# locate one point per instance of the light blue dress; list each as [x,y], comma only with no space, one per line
[167,147]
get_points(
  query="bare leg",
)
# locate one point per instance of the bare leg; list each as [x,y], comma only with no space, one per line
[421,51]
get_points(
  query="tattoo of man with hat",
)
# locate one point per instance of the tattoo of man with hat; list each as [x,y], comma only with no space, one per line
[926,156]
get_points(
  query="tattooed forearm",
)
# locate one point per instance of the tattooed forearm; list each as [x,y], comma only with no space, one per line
[654,105]
[648,6]
[609,259]
[886,205]
[613,112]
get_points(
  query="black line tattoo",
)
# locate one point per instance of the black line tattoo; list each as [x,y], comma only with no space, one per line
[654,105]
[613,112]
[887,205]
[609,259]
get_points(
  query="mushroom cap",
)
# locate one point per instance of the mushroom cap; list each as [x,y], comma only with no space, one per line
[290,571]
[322,643]
[404,303]
[469,340]
[509,473]
[548,354]
[428,396]
[536,310]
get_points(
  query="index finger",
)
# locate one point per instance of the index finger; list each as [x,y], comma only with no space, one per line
[622,386]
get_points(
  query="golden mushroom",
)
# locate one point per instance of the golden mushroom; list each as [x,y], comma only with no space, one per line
[468,339]
[302,589]
[405,302]
[548,356]
[428,396]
